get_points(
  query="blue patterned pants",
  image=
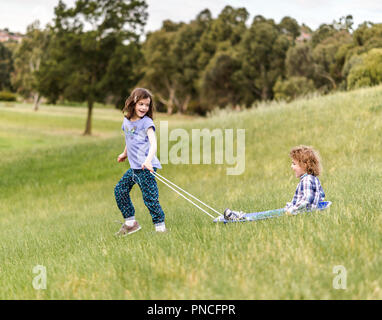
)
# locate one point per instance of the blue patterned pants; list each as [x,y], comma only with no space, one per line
[149,188]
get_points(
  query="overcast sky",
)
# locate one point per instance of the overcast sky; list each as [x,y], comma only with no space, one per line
[17,14]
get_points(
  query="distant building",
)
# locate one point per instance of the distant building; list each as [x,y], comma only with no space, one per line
[304,36]
[5,36]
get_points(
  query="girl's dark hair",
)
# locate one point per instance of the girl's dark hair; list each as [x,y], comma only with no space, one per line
[131,101]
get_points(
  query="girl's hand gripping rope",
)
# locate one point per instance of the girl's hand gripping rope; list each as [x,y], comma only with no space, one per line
[148,166]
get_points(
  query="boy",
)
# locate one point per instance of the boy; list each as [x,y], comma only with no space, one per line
[306,166]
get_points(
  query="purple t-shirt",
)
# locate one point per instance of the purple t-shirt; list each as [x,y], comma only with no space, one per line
[137,141]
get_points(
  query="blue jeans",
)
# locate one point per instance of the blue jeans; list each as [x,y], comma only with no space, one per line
[149,188]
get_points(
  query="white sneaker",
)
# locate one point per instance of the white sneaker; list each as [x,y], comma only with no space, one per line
[233,215]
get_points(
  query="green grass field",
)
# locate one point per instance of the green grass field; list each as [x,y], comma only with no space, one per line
[57,207]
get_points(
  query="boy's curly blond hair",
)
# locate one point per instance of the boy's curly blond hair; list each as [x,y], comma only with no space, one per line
[307,158]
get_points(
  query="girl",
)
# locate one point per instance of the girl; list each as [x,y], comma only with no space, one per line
[140,150]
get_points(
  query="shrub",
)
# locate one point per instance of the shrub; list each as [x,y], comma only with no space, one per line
[292,87]
[7,96]
[367,71]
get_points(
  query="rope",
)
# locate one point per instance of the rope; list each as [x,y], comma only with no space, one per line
[159,177]
[156,173]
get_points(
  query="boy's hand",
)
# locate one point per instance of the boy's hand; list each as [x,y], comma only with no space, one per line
[288,213]
[122,157]
[148,166]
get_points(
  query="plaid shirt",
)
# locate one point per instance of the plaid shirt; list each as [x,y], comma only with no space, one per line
[308,194]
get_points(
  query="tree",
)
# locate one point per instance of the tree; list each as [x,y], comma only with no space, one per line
[124,70]
[323,32]
[367,70]
[290,27]
[262,50]
[28,58]
[329,58]
[159,65]
[229,26]
[299,61]
[6,67]
[88,40]
[170,69]
[220,81]
[345,23]
[367,36]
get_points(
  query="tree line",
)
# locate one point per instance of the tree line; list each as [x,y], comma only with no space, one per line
[95,52]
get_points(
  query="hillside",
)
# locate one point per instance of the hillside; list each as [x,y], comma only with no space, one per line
[57,207]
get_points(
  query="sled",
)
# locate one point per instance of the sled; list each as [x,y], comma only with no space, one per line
[275,213]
